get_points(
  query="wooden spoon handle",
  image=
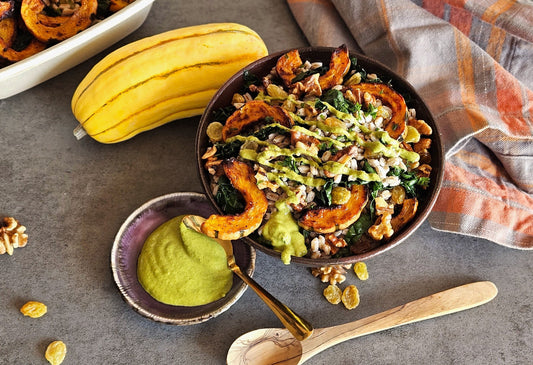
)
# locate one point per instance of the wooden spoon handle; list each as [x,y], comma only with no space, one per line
[446,302]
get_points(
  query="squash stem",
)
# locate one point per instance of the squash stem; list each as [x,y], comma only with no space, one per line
[79,132]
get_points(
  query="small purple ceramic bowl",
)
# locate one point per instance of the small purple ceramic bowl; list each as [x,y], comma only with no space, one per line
[129,242]
[261,68]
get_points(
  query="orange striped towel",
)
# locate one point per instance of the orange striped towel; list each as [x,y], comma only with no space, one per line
[472,63]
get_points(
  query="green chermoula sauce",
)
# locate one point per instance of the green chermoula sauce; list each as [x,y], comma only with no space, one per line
[179,266]
[272,151]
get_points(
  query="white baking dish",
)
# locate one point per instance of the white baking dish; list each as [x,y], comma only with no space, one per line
[46,64]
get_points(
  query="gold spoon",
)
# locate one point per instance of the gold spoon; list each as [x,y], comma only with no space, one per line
[298,327]
[277,346]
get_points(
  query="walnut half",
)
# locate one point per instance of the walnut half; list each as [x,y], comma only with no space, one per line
[11,235]
[382,227]
[334,274]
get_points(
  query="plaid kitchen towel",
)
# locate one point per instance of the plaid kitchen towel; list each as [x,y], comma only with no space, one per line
[472,63]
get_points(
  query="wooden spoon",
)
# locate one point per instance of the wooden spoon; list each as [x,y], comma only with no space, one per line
[298,326]
[277,346]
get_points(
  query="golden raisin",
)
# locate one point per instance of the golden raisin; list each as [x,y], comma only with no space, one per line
[335,123]
[238,99]
[350,297]
[333,294]
[360,270]
[412,135]
[340,195]
[55,352]
[354,79]
[33,309]
[398,194]
[214,131]
[276,92]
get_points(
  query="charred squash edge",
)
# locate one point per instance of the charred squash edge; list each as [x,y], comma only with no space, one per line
[339,65]
[238,121]
[347,213]
[409,209]
[287,64]
[396,126]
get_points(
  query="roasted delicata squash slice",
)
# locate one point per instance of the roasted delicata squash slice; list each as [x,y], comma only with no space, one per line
[233,227]
[396,126]
[288,66]
[409,208]
[331,219]
[8,34]
[251,113]
[13,55]
[46,28]
[7,9]
[339,65]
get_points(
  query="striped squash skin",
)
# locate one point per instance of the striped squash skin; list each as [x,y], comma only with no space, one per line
[162,78]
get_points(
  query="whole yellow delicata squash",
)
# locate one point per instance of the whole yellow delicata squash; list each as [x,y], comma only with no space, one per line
[161,78]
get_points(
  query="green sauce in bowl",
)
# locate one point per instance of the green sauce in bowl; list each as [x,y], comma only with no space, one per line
[178,266]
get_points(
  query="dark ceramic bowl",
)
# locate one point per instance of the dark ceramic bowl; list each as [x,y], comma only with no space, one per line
[261,68]
[128,244]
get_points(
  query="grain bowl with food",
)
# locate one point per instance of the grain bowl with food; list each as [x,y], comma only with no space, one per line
[319,156]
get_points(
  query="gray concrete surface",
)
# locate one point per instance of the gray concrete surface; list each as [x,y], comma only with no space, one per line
[74,195]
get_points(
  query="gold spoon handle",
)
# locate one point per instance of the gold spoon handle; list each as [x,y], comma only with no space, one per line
[297,326]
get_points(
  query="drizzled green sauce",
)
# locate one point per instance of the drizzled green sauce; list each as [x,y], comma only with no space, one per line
[282,231]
